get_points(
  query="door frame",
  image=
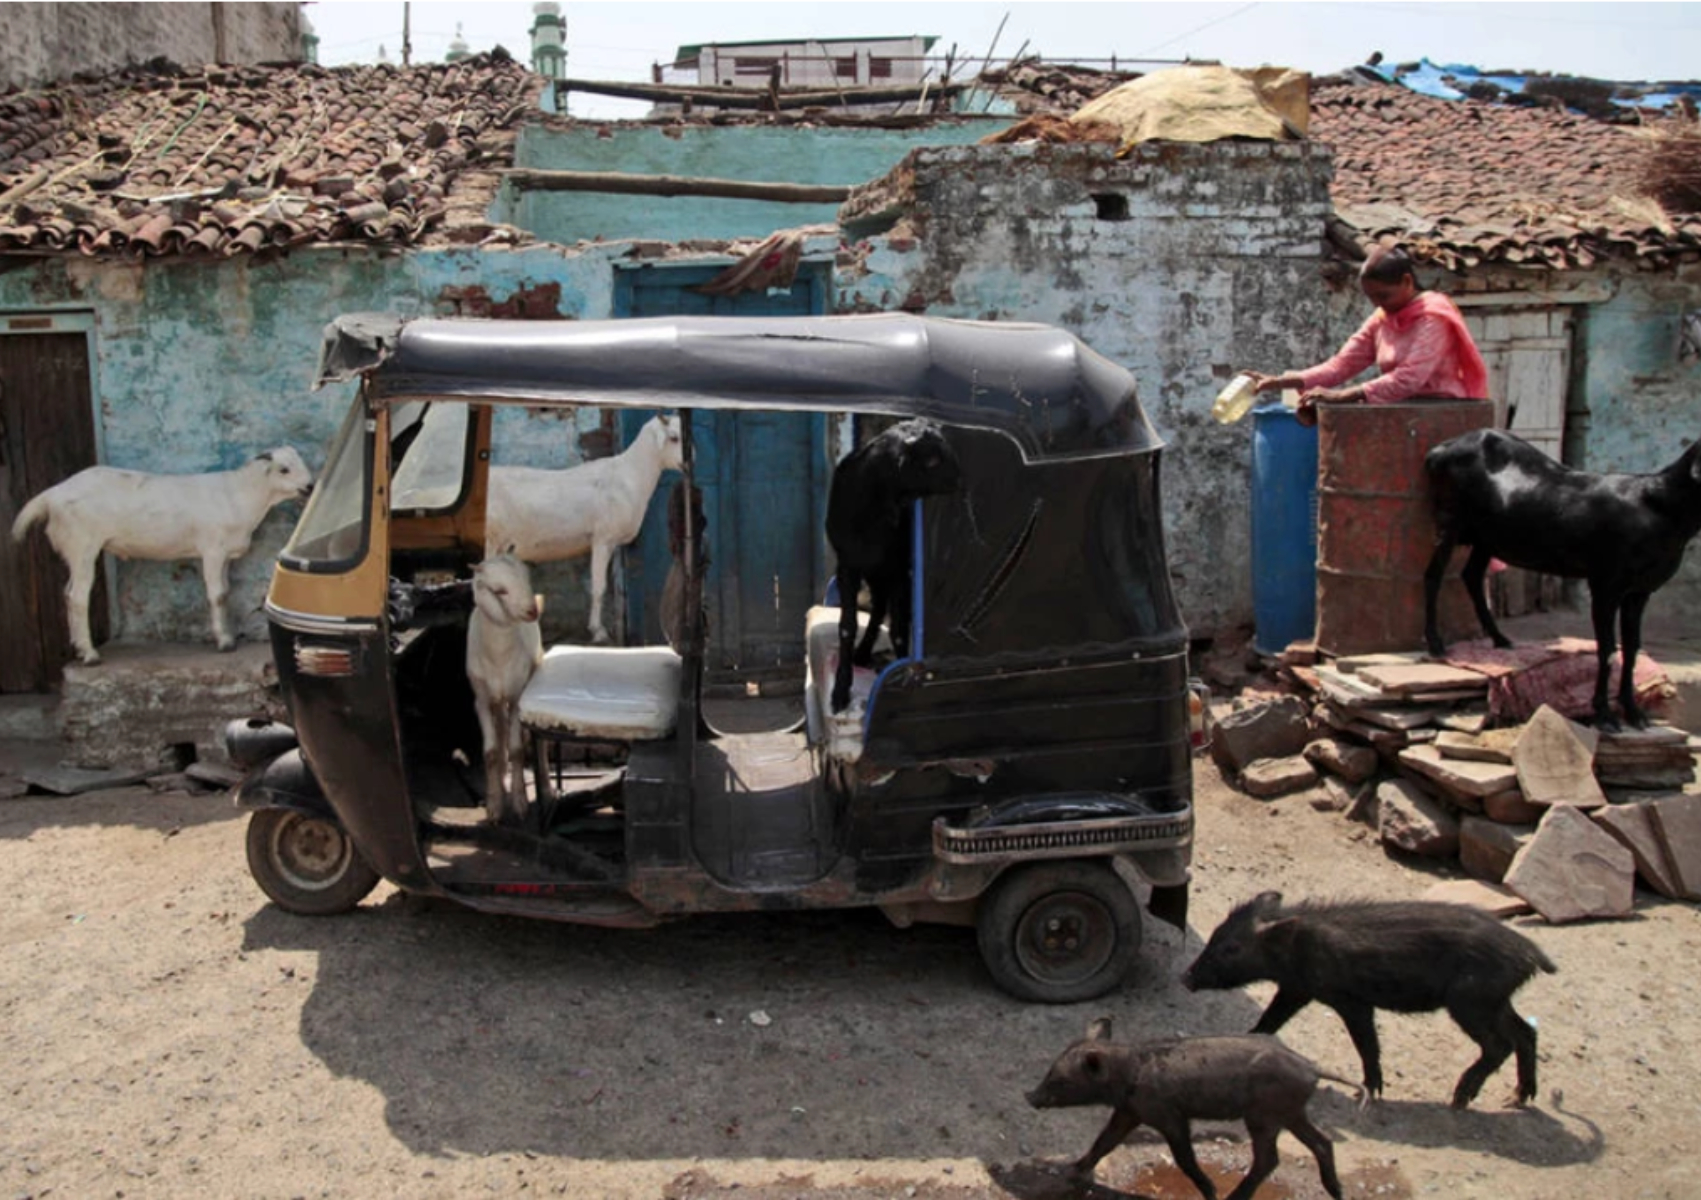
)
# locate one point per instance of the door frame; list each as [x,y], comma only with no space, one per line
[71,319]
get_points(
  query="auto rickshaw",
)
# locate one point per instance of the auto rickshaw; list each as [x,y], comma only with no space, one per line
[1025,770]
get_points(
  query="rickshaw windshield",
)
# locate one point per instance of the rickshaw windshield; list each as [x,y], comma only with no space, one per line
[331,535]
[428,449]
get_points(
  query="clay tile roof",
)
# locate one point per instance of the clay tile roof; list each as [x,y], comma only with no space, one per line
[236,160]
[1476,181]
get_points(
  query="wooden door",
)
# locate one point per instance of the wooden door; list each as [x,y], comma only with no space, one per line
[1528,354]
[764,477]
[46,435]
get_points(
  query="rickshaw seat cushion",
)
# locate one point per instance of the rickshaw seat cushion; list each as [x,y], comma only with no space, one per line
[624,694]
[840,733]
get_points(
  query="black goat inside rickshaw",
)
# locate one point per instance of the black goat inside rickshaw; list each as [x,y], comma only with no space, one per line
[1025,768]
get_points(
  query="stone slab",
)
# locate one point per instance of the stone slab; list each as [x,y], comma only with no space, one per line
[1573,870]
[1677,823]
[74,781]
[1487,848]
[1277,776]
[1510,808]
[1342,758]
[1555,761]
[1494,745]
[1273,729]
[1466,778]
[1411,821]
[1493,898]
[1465,720]
[1633,826]
[1416,679]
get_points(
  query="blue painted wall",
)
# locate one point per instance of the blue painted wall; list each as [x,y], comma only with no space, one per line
[815,155]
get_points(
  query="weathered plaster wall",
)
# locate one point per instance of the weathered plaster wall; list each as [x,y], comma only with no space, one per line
[820,155]
[39,42]
[1635,401]
[200,365]
[1194,261]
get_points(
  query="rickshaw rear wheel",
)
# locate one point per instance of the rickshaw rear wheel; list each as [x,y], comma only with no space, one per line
[1059,932]
[307,863]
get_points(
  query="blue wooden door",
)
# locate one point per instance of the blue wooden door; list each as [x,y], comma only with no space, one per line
[764,477]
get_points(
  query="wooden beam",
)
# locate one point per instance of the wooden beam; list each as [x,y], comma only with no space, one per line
[622,183]
[751,98]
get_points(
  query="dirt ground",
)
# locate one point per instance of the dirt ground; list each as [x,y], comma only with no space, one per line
[166,1032]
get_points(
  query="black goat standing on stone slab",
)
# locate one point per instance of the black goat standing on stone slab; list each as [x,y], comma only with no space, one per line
[1625,534]
[870,527]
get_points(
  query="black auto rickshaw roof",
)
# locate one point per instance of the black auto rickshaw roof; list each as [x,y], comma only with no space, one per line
[1041,386]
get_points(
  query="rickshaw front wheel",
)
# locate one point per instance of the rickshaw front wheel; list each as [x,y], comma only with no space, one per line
[1059,932]
[307,864]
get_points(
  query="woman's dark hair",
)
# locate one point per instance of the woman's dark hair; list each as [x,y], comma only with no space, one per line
[1388,264]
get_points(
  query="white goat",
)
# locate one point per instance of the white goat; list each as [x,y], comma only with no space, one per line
[591,508]
[137,515]
[503,649]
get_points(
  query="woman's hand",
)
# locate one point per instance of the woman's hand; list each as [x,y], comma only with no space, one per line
[1346,395]
[1270,383]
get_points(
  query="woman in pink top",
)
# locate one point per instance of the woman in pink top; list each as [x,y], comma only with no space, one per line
[1417,339]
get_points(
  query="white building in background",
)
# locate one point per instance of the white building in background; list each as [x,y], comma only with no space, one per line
[823,63]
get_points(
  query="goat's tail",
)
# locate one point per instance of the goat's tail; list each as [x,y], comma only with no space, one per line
[34,511]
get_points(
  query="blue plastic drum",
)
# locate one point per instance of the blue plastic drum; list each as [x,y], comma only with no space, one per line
[1284,529]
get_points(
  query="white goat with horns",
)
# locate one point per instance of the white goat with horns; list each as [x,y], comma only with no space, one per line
[137,515]
[592,508]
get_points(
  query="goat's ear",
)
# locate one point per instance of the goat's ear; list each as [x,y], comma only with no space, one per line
[1099,1030]
[263,456]
[510,547]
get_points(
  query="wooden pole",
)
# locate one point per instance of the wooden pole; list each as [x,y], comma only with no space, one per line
[753,98]
[621,183]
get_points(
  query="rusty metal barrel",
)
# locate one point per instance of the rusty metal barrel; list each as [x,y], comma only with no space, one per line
[1375,531]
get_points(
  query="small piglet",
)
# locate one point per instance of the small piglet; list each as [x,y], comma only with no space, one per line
[1404,956]
[1171,1083]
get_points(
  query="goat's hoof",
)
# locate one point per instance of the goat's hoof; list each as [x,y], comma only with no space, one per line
[89,659]
[840,703]
[1502,643]
[600,638]
[225,647]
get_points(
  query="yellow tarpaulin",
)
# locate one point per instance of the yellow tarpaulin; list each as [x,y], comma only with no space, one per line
[1205,104]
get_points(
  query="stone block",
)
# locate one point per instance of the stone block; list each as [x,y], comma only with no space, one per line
[1342,758]
[1458,776]
[1277,776]
[1572,869]
[1510,808]
[1555,761]
[1487,848]
[1677,822]
[1492,898]
[1492,745]
[1633,826]
[1274,729]
[1411,821]
[1338,795]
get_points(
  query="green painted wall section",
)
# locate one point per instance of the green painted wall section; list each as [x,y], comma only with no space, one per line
[200,365]
[817,155]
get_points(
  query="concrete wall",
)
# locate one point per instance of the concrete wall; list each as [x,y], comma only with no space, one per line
[823,155]
[1183,263]
[40,42]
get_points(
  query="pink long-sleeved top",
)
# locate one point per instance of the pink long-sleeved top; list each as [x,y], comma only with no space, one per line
[1418,352]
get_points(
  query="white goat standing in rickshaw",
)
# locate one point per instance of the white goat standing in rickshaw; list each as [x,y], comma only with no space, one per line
[504,647]
[592,508]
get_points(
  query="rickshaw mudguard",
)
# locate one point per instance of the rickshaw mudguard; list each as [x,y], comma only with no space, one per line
[286,782]
[338,684]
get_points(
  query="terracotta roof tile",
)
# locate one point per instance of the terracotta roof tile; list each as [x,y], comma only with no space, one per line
[238,160]
[1482,182]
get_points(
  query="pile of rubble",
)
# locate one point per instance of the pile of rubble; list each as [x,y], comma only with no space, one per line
[1544,815]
